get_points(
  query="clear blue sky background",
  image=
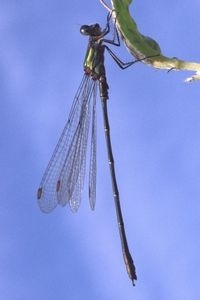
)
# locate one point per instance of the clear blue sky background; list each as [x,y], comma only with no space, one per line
[155,123]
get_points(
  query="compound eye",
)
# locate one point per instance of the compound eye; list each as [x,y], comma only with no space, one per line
[85,30]
[92,30]
[96,29]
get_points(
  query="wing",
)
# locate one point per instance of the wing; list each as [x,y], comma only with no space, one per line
[63,179]
[92,170]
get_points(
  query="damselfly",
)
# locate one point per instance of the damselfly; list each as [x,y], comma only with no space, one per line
[63,179]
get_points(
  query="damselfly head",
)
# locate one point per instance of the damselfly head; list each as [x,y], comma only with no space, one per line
[92,30]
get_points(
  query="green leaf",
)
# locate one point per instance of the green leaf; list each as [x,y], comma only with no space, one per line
[141,46]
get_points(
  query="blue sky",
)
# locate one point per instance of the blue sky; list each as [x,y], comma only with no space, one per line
[154,118]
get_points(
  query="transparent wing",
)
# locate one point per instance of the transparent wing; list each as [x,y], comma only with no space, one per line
[63,179]
[73,171]
[93,167]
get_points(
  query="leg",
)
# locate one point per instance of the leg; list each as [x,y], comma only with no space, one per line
[115,41]
[124,65]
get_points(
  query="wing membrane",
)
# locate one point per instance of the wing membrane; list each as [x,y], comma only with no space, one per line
[63,179]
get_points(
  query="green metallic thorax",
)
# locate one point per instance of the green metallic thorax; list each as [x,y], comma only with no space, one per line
[94,59]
